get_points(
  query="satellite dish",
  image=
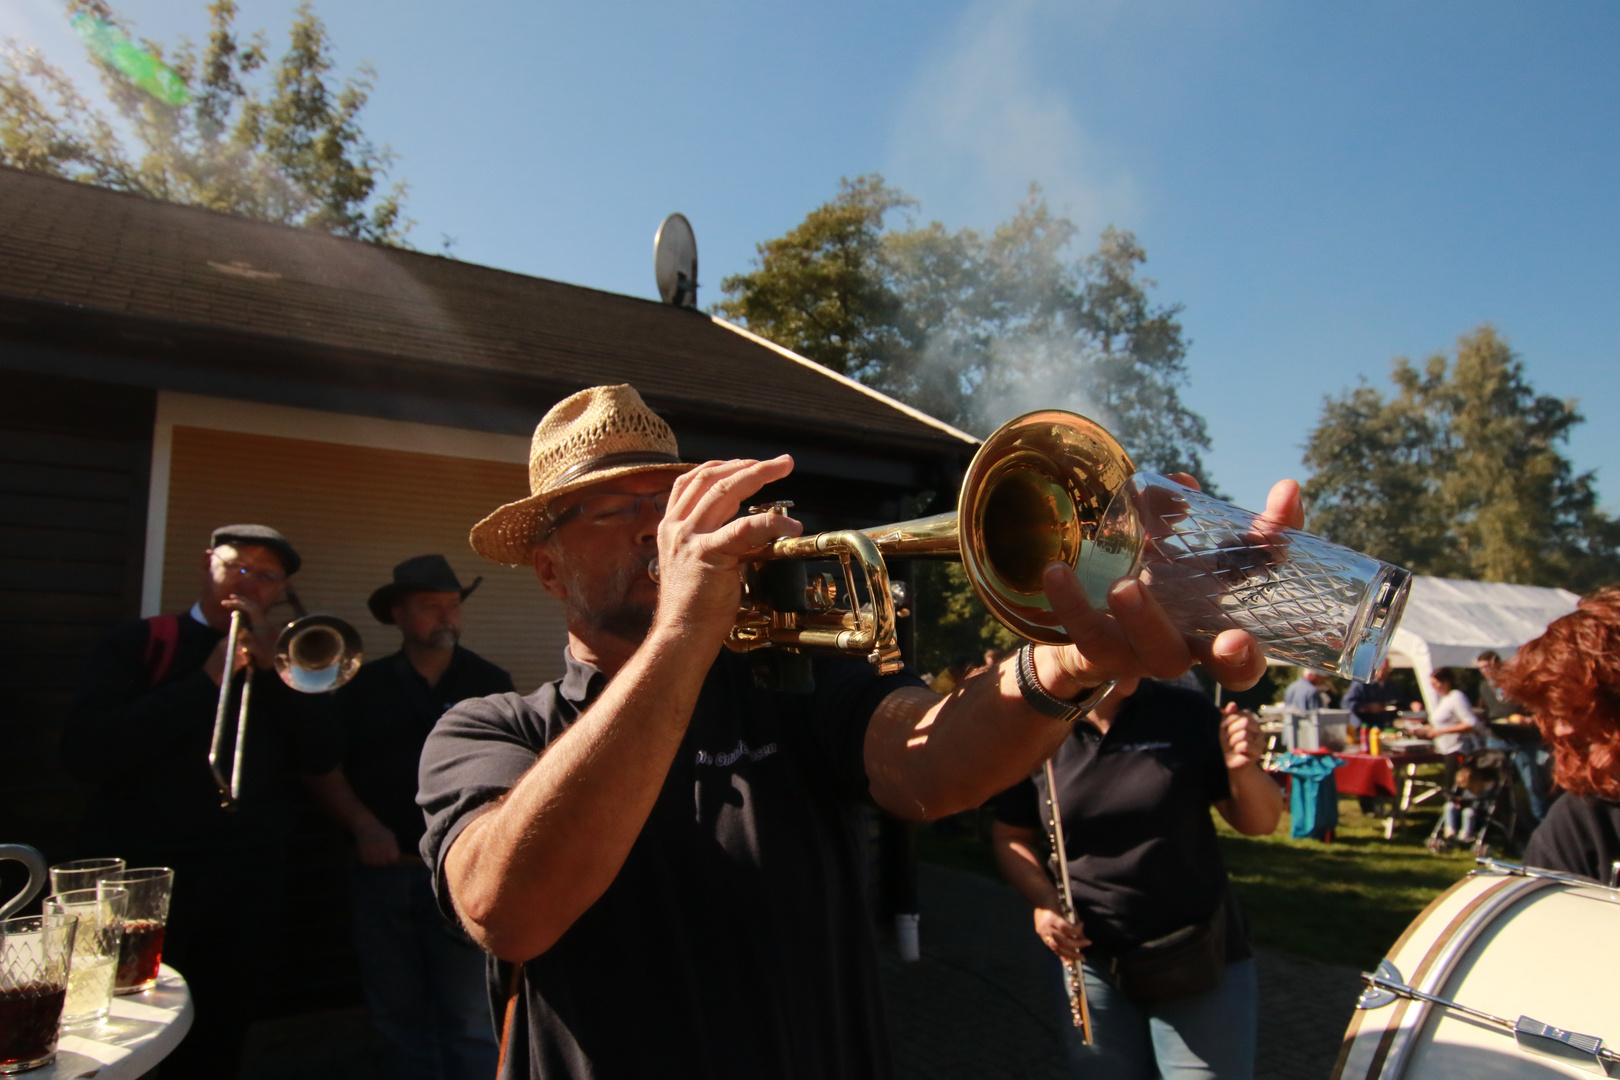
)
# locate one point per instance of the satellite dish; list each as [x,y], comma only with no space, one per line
[675,261]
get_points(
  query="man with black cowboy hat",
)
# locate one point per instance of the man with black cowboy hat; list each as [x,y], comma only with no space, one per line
[423,979]
[662,856]
[140,731]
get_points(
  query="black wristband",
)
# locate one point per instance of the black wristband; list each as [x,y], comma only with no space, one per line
[1041,700]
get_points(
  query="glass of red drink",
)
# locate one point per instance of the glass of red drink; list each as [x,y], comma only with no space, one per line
[35,954]
[146,913]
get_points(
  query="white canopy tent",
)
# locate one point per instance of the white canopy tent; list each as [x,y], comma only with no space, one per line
[1448,623]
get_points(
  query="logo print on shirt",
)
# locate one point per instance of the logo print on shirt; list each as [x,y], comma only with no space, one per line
[731,757]
[1138,747]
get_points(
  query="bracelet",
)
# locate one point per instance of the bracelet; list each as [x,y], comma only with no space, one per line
[1038,698]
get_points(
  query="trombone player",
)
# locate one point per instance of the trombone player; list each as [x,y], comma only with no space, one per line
[139,732]
[660,856]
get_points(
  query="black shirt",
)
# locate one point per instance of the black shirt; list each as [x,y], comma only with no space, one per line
[1143,858]
[1580,835]
[1363,694]
[145,748]
[735,940]
[385,713]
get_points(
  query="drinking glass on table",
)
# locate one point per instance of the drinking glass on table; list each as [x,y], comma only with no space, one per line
[145,916]
[83,873]
[100,912]
[35,953]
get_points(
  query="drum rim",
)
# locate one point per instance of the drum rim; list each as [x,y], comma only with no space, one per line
[1438,960]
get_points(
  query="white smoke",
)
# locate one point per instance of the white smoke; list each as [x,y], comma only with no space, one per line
[978,123]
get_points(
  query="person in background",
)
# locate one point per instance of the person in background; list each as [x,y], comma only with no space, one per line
[423,978]
[1456,731]
[1512,731]
[1306,692]
[1376,702]
[140,731]
[1453,725]
[1570,678]
[1135,783]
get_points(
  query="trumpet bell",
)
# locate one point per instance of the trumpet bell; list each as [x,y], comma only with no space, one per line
[1038,492]
[317,653]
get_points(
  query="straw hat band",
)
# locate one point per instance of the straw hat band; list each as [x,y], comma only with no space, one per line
[613,461]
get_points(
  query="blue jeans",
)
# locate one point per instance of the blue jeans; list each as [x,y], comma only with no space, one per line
[1526,759]
[1210,1036]
[423,980]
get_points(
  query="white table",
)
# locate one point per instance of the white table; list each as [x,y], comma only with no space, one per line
[141,1031]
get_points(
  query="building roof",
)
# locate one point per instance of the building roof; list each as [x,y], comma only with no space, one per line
[94,256]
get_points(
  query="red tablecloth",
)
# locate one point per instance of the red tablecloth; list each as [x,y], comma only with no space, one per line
[1364,774]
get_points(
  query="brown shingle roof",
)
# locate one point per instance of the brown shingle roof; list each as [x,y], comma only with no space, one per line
[69,243]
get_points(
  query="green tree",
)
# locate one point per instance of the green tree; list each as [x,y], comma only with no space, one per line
[278,142]
[1460,474]
[975,328]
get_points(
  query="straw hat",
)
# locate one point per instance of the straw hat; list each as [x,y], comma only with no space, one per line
[594,435]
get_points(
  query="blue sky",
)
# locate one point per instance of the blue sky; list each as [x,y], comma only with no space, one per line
[1324,187]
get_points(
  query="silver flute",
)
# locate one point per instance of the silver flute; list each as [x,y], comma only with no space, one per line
[1073,977]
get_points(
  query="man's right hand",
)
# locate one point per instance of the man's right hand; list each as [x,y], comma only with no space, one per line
[215,666]
[1063,937]
[701,542]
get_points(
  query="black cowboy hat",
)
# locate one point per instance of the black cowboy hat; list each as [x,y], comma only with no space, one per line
[423,573]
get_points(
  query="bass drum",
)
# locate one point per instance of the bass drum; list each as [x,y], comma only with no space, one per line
[1507,945]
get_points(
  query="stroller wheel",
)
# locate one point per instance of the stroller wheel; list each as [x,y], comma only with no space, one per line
[1435,844]
[1481,849]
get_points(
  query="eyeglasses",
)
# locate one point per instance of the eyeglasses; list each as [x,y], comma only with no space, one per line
[607,510]
[237,571]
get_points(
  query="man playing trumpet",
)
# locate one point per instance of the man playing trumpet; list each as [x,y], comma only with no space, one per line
[661,856]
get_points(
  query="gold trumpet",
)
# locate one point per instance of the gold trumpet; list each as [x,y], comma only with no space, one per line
[1036,492]
[314,654]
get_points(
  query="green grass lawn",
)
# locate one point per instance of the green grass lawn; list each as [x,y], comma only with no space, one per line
[1342,903]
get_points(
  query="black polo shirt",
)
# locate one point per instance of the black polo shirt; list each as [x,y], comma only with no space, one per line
[1581,835]
[735,941]
[386,712]
[145,749]
[1143,857]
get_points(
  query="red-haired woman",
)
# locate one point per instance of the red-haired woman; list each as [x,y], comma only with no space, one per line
[1570,677]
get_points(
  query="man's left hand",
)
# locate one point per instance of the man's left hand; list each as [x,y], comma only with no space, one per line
[1242,742]
[1135,638]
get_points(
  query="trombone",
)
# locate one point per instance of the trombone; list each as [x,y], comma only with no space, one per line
[314,654]
[1037,491]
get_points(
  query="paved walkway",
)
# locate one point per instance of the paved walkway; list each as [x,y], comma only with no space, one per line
[983,1003]
[986,999]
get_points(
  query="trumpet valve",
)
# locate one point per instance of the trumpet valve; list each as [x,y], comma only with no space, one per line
[821,592]
[780,506]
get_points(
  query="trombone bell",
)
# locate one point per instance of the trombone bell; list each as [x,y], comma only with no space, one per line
[317,653]
[314,654]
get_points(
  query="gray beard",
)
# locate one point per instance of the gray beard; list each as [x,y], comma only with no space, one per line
[614,613]
[445,637]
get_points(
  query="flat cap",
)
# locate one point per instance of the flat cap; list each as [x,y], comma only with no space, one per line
[264,536]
